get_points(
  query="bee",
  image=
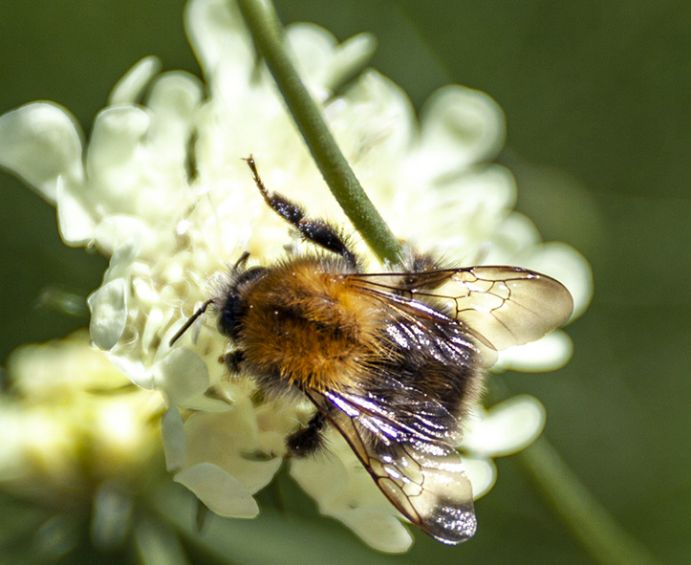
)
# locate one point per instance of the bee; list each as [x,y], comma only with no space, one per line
[392,360]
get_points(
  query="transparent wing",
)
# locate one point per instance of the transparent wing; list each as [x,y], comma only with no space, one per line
[499,306]
[407,454]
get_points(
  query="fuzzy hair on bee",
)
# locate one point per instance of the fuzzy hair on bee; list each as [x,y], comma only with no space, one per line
[391,360]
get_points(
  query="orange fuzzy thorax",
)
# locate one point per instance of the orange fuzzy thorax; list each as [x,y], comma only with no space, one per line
[310,326]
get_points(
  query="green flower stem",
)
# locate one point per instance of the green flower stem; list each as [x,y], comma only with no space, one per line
[266,31]
[589,522]
[594,528]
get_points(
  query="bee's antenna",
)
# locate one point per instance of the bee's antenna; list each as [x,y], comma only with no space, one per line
[190,321]
[242,261]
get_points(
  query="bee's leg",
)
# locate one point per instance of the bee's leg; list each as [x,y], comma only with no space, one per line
[309,439]
[421,262]
[233,361]
[317,231]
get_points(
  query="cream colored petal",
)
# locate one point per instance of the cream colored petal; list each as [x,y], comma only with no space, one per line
[181,374]
[482,474]
[351,57]
[117,231]
[232,441]
[484,189]
[506,428]
[321,62]
[174,445]
[546,354]
[460,126]
[568,266]
[220,492]
[129,176]
[313,49]
[117,133]
[220,41]
[343,490]
[108,306]
[122,263]
[383,532]
[41,142]
[374,123]
[516,233]
[138,372]
[467,210]
[322,477]
[156,317]
[129,89]
[75,220]
[175,94]
[174,101]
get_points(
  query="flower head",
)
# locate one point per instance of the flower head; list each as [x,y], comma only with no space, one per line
[161,189]
[78,437]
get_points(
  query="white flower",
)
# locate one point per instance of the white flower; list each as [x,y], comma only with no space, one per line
[73,422]
[161,189]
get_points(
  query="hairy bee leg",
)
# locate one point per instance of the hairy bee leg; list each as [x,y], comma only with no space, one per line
[309,439]
[317,231]
[233,361]
[422,262]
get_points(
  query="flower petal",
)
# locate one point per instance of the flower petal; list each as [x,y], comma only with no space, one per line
[40,142]
[516,233]
[380,531]
[117,231]
[220,40]
[174,445]
[220,492]
[232,440]
[321,478]
[386,121]
[478,201]
[181,374]
[460,126]
[129,88]
[138,372]
[546,354]
[506,428]
[482,474]
[568,266]
[108,307]
[117,133]
[312,48]
[350,58]
[175,97]
[75,221]
[345,491]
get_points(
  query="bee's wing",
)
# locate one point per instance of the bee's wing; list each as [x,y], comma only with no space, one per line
[498,306]
[419,472]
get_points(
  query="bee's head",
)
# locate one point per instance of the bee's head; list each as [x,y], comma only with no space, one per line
[233,304]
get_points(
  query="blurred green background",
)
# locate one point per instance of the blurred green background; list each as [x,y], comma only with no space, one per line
[598,103]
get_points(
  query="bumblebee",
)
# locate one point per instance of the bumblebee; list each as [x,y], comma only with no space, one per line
[391,360]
